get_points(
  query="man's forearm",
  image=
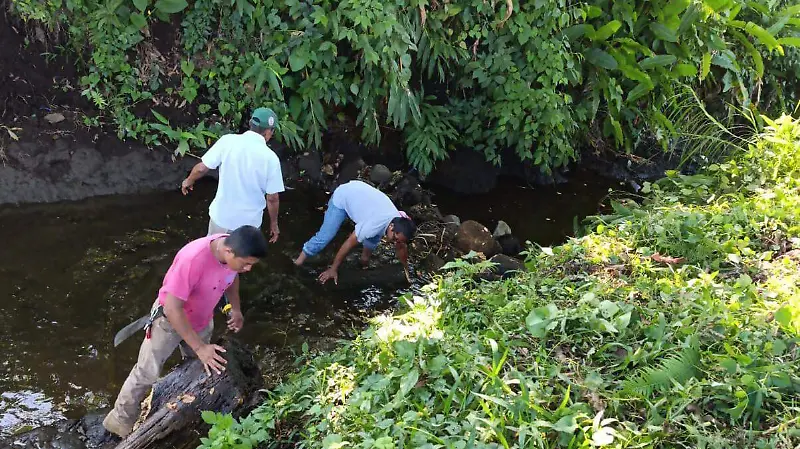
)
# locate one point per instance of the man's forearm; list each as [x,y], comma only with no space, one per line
[402,253]
[273,206]
[232,293]
[348,245]
[198,171]
[173,310]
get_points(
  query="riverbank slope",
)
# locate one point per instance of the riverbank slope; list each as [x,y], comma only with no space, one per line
[671,324]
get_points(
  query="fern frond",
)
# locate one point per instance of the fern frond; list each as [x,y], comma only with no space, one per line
[678,368]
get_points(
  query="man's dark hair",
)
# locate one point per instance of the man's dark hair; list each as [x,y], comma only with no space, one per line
[247,241]
[404,226]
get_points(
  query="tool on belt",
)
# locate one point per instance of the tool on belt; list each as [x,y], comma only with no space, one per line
[146,322]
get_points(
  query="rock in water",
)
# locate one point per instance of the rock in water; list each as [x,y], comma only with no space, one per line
[506,265]
[54,118]
[473,236]
[510,245]
[380,174]
[501,229]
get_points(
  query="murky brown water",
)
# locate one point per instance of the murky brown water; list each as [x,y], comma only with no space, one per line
[73,274]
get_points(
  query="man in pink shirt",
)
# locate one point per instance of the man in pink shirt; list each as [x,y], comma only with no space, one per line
[201,272]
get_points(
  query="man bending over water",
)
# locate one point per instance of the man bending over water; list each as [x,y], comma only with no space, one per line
[374,215]
[182,315]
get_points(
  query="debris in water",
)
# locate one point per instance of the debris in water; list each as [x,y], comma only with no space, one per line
[54,118]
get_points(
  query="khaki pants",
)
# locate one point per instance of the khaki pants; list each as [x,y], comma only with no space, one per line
[214,228]
[152,355]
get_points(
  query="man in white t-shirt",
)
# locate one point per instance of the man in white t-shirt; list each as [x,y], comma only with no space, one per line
[248,170]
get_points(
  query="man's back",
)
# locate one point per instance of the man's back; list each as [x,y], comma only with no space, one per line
[248,170]
[368,207]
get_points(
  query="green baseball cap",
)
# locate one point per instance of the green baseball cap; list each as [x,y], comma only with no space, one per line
[265,118]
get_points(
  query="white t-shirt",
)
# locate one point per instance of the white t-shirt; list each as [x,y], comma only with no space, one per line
[248,170]
[369,208]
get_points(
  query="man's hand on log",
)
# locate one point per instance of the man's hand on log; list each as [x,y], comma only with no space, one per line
[211,358]
[235,320]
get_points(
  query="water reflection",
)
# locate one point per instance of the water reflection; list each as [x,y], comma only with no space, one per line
[26,408]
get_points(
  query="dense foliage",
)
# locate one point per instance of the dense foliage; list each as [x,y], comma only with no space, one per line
[536,76]
[611,340]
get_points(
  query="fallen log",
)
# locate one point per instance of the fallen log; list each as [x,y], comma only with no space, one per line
[173,417]
[179,398]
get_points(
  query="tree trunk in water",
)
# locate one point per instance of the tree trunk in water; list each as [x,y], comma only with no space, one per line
[179,398]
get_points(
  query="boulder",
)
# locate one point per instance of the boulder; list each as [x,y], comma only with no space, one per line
[473,236]
[506,266]
[510,245]
[452,223]
[310,165]
[380,174]
[501,229]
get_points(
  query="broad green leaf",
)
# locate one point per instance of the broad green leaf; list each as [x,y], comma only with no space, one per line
[635,74]
[593,12]
[717,5]
[601,58]
[616,128]
[567,424]
[171,6]
[789,41]
[684,70]
[208,416]
[758,61]
[689,18]
[295,106]
[790,11]
[658,60]
[354,88]
[138,20]
[705,66]
[408,382]
[724,60]
[223,107]
[141,5]
[160,117]
[776,27]
[274,82]
[762,35]
[187,67]
[298,60]
[675,7]
[784,317]
[183,147]
[606,31]
[663,33]
[576,32]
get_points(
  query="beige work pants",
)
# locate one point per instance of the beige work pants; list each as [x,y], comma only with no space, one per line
[153,353]
[214,228]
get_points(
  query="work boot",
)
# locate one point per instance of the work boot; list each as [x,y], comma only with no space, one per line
[112,424]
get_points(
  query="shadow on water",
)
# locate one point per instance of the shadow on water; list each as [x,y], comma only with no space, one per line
[73,274]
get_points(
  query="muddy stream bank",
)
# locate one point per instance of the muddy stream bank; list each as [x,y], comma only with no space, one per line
[74,273]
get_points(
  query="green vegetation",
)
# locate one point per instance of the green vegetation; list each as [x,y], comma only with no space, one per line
[672,323]
[533,76]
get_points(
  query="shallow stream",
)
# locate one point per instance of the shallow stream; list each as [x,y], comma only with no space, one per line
[73,274]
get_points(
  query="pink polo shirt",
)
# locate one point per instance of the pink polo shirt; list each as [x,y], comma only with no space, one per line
[198,279]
